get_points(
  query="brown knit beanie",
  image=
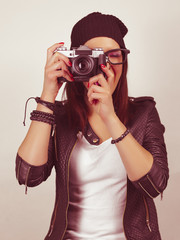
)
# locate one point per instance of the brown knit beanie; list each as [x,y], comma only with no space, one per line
[98,25]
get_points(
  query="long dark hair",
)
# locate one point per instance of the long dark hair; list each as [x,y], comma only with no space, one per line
[77,108]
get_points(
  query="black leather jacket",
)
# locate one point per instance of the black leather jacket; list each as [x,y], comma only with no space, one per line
[140,218]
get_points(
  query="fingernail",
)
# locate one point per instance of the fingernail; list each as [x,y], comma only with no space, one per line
[88,84]
[103,66]
[61,43]
[72,79]
[70,63]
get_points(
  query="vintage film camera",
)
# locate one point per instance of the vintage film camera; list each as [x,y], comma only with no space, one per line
[86,62]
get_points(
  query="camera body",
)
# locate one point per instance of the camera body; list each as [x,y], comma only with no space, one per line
[86,62]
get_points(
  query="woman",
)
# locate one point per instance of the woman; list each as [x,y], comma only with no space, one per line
[107,148]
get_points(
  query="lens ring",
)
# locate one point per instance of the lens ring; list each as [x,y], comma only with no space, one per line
[83,65]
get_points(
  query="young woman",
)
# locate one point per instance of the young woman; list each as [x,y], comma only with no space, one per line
[107,148]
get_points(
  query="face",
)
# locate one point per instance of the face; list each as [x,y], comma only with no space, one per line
[107,44]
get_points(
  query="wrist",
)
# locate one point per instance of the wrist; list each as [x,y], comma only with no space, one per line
[111,119]
[47,97]
[115,126]
[42,108]
[45,103]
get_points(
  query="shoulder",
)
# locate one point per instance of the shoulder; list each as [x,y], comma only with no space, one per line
[142,100]
[144,103]
[140,108]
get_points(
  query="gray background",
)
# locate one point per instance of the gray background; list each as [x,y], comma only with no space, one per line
[28,28]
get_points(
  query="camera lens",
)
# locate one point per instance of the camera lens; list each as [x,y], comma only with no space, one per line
[83,65]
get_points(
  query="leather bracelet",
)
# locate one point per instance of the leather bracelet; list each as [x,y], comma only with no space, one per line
[121,137]
[43,117]
[49,105]
[45,103]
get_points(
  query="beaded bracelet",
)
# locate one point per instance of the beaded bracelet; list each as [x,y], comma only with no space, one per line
[121,137]
[43,117]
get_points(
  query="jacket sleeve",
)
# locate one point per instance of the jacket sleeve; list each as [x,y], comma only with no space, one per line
[155,181]
[31,175]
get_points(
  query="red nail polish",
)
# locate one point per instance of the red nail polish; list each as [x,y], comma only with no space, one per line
[70,63]
[88,84]
[61,43]
[72,79]
[103,66]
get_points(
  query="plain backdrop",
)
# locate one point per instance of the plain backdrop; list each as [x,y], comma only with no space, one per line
[27,29]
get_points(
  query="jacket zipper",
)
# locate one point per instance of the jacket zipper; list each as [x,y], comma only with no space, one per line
[53,221]
[68,190]
[27,180]
[153,184]
[145,190]
[55,210]
[147,214]
[123,215]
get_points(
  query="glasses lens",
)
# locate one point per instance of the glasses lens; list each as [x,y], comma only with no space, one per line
[115,56]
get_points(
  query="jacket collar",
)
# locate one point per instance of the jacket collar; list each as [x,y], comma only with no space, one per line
[90,135]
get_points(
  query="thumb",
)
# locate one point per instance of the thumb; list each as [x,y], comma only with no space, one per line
[107,71]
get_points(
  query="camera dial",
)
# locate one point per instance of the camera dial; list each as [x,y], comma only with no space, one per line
[98,49]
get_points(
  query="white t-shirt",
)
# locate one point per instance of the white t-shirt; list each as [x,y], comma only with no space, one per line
[97,192]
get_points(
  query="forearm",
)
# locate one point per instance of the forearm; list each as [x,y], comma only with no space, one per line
[34,148]
[136,159]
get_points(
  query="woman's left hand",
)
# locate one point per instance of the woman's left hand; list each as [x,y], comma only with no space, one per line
[100,93]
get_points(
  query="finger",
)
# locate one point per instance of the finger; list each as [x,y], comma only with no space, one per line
[107,71]
[95,88]
[60,65]
[99,90]
[58,57]
[98,80]
[50,51]
[95,96]
[63,74]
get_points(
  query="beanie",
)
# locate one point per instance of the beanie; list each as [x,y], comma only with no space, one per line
[97,24]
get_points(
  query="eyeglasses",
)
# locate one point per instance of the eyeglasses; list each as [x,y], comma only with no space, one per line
[117,56]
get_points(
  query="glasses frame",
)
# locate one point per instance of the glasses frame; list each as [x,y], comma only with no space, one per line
[124,51]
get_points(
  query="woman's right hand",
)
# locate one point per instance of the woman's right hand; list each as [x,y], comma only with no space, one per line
[56,66]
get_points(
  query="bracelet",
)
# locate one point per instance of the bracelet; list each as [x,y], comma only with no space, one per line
[45,103]
[49,105]
[43,117]
[121,137]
